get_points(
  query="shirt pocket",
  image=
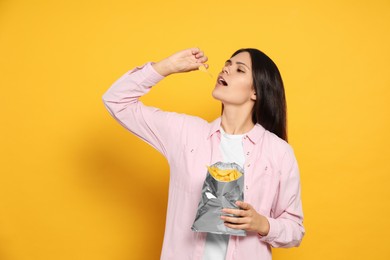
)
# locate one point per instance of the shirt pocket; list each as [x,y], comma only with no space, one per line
[265,183]
[189,171]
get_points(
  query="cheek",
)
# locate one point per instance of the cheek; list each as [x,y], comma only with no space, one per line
[245,87]
[239,91]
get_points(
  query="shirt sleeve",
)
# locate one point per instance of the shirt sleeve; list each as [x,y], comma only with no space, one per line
[286,221]
[162,130]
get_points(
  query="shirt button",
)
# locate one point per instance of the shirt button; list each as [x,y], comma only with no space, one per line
[246,186]
[248,165]
[247,153]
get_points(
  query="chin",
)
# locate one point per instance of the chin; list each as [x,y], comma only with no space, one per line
[216,95]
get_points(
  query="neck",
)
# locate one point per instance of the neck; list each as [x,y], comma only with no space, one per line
[236,121]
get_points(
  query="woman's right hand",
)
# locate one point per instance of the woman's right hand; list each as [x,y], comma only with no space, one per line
[182,61]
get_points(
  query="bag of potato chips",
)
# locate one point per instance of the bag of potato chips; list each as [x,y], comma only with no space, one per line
[222,187]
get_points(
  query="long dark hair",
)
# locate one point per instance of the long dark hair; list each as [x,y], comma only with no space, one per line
[270,106]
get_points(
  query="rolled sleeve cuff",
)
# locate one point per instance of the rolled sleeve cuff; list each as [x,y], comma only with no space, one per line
[151,76]
[144,76]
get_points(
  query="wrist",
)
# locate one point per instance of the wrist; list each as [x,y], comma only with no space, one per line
[163,68]
[263,227]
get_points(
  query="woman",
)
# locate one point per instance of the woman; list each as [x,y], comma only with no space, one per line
[251,132]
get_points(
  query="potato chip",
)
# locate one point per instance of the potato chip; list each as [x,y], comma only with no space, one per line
[204,69]
[224,174]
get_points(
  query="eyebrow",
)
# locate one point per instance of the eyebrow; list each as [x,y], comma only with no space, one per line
[237,62]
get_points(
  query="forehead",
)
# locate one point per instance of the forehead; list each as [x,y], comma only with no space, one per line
[243,57]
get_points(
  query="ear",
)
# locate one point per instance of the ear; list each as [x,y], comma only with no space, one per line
[253,95]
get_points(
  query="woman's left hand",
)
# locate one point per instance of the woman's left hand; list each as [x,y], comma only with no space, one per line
[246,218]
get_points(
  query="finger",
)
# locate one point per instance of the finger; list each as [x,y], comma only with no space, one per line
[200,54]
[203,59]
[230,211]
[243,205]
[234,226]
[235,220]
[236,212]
[195,50]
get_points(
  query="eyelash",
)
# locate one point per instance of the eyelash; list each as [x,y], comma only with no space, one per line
[238,70]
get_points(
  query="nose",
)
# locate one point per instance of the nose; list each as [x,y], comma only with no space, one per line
[225,69]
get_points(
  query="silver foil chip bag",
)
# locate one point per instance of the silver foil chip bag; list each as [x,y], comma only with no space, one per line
[215,196]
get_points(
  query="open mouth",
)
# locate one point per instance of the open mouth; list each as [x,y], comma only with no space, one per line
[222,81]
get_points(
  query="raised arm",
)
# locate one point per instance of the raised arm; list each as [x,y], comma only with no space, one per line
[162,130]
[182,61]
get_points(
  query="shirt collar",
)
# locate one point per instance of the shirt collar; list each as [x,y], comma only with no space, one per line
[254,135]
[214,126]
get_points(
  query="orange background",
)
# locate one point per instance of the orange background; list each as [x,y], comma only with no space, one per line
[75,185]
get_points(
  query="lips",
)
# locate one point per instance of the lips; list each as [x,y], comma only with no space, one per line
[222,81]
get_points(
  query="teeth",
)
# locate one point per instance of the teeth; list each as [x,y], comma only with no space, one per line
[222,81]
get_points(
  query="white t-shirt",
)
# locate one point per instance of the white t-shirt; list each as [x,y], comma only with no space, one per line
[232,151]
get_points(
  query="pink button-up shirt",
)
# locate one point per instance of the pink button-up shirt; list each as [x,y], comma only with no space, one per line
[189,143]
